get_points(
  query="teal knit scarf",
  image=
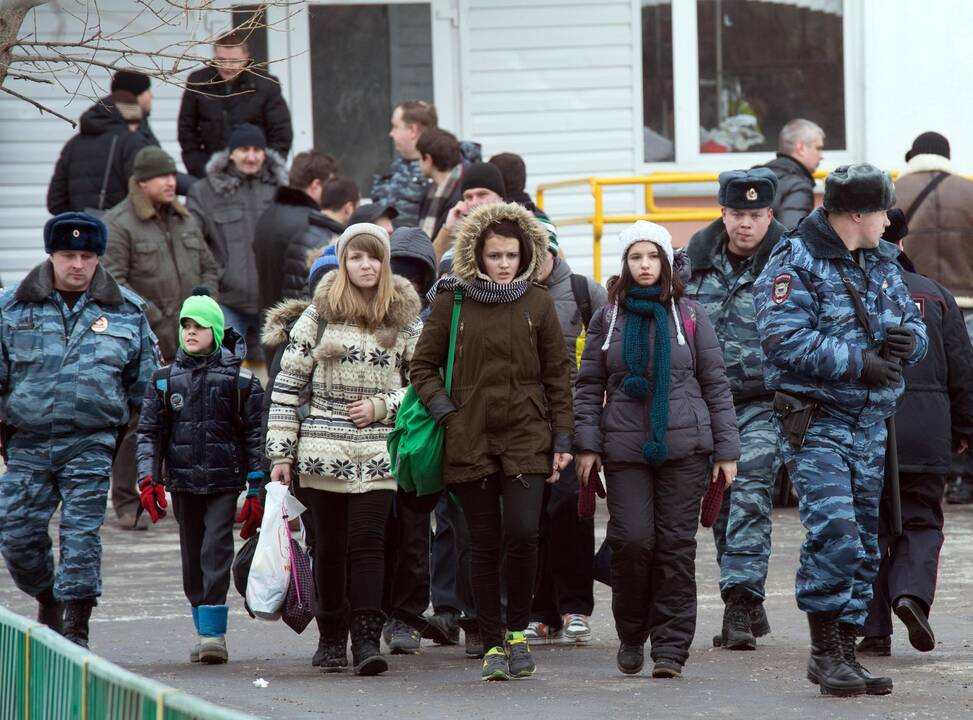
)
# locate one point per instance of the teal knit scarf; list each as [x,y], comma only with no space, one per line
[643,303]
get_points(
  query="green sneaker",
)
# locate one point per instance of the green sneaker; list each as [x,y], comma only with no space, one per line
[495,665]
[520,662]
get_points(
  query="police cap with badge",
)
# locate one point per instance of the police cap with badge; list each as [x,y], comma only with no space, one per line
[75,232]
[748,189]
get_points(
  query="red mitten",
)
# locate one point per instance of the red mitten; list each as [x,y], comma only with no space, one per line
[251,515]
[152,495]
[586,496]
[712,501]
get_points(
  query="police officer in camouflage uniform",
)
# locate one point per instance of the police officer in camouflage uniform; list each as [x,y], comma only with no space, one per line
[726,258]
[76,352]
[836,321]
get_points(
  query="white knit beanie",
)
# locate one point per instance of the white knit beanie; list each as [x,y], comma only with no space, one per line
[643,230]
[363,229]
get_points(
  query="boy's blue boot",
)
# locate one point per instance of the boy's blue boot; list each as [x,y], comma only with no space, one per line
[211,621]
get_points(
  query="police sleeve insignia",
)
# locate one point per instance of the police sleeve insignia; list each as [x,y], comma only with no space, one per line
[782,288]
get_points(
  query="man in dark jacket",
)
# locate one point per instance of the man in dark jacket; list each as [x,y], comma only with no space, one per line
[441,162]
[240,184]
[286,221]
[726,259]
[93,169]
[799,153]
[935,418]
[231,92]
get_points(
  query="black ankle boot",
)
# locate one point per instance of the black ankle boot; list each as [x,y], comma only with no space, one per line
[366,649]
[630,658]
[77,613]
[50,611]
[332,653]
[827,666]
[873,685]
[759,625]
[736,633]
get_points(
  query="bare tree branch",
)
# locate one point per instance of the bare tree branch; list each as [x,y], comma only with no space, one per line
[39,106]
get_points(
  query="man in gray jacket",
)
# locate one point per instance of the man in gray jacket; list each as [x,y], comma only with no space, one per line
[799,153]
[240,183]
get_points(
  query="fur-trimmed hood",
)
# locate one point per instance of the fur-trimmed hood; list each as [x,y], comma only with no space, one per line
[279,319]
[928,162]
[464,250]
[403,312]
[143,207]
[226,180]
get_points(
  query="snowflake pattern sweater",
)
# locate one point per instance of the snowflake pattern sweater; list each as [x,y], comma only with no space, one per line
[349,363]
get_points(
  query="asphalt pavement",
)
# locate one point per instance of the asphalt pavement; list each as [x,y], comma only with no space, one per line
[143,624]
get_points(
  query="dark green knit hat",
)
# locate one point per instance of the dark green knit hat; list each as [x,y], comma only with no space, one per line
[152,162]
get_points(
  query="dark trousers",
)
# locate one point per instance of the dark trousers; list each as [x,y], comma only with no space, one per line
[124,472]
[565,576]
[349,548]
[516,530]
[910,562]
[654,515]
[406,594]
[206,544]
[452,587]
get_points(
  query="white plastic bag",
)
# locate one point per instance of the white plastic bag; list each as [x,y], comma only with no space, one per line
[270,571]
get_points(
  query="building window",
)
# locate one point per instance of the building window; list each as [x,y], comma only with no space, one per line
[764,62]
[657,100]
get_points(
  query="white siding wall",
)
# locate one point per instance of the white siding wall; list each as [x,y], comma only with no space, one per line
[552,80]
[30,143]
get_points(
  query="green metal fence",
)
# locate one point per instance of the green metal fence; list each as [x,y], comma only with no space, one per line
[45,677]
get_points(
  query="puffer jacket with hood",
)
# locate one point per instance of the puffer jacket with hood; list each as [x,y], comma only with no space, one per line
[413,247]
[209,449]
[227,206]
[701,415]
[568,310]
[80,170]
[348,363]
[510,407]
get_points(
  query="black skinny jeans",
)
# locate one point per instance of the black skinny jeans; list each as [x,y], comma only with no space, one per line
[516,529]
[349,532]
[654,515]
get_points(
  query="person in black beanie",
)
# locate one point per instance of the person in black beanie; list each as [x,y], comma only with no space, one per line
[481,184]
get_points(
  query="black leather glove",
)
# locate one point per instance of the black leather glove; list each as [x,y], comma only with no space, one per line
[879,372]
[900,342]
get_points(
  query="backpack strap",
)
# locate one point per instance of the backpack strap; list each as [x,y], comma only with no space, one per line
[582,297]
[163,388]
[923,194]
[242,394]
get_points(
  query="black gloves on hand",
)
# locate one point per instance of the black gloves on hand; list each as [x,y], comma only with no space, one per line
[879,372]
[900,342]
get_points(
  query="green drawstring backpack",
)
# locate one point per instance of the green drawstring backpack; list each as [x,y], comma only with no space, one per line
[416,442]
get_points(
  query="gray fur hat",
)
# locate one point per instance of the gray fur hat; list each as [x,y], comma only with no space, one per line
[858,188]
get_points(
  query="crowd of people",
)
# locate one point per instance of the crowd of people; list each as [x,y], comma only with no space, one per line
[783,342]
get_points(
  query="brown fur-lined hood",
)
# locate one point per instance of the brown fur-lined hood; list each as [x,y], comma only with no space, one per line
[279,319]
[403,312]
[464,251]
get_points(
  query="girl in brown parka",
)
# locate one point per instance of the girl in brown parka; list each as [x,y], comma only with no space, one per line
[508,422]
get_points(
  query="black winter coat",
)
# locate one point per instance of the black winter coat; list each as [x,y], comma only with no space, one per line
[208,449]
[320,231]
[211,108]
[937,407]
[80,170]
[795,191]
[283,223]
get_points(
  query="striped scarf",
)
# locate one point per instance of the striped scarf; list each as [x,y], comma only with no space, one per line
[482,291]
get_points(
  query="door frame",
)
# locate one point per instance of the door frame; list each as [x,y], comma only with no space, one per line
[288,49]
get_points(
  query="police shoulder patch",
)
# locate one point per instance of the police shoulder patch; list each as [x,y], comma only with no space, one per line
[782,287]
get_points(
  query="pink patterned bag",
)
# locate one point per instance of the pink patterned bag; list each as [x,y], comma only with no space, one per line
[299,602]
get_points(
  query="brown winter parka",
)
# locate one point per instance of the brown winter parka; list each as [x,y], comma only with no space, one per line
[510,408]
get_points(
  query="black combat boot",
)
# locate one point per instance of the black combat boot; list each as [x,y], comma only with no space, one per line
[827,666]
[332,653]
[759,625]
[77,613]
[49,610]
[873,685]
[366,650]
[736,633]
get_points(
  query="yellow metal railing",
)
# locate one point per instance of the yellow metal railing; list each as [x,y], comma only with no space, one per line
[653,212]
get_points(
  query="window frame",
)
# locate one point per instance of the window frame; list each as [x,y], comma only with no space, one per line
[685,81]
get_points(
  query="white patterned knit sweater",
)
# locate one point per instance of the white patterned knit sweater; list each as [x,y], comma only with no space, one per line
[349,363]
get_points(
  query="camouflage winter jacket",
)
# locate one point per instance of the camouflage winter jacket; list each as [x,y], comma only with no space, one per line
[812,340]
[727,297]
[66,371]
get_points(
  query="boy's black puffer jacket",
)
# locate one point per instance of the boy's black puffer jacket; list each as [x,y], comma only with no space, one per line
[208,451]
